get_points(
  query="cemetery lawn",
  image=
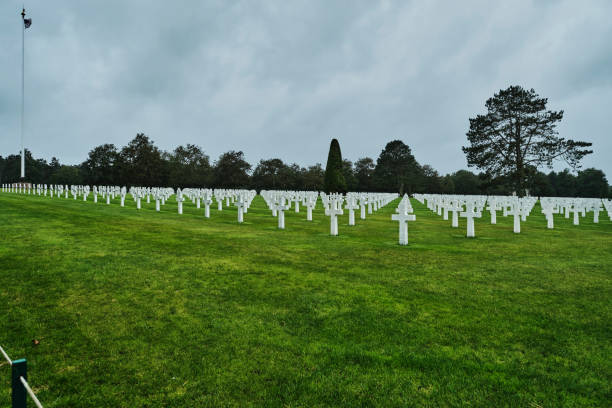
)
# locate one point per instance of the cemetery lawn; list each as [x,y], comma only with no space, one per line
[145,309]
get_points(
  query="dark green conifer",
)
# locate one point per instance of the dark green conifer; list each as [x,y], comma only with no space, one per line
[334,179]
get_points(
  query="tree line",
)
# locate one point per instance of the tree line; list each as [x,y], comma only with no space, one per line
[141,163]
[509,144]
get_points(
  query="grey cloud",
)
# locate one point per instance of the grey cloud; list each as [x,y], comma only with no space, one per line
[280,79]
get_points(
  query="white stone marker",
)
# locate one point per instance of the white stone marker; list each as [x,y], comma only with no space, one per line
[576,210]
[403,219]
[179,201]
[297,204]
[470,214]
[351,206]
[280,208]
[310,204]
[516,214]
[455,208]
[207,203]
[548,212]
[333,213]
[240,204]
[362,208]
[493,211]
[596,211]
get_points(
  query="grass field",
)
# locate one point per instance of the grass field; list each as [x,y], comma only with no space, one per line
[145,309]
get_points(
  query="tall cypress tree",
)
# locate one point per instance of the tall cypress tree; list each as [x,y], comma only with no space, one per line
[334,179]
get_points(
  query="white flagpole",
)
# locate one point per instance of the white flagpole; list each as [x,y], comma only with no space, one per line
[22,91]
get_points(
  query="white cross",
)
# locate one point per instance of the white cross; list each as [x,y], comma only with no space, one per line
[280,207]
[207,203]
[470,214]
[240,205]
[492,209]
[310,204]
[333,211]
[516,213]
[403,219]
[351,205]
[454,209]
[576,210]
[548,212]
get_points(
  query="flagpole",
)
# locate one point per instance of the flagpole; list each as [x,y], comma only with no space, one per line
[22,91]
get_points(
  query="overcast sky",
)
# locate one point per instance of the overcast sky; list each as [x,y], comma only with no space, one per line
[282,78]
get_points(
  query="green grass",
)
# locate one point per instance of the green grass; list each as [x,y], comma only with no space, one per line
[145,309]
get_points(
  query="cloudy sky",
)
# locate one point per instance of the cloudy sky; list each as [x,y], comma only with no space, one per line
[282,78]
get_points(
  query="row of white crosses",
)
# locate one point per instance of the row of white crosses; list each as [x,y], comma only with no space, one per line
[518,208]
[281,201]
[577,206]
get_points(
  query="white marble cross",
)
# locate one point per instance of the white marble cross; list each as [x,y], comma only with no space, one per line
[362,208]
[548,212]
[207,203]
[516,214]
[576,210]
[493,210]
[310,204]
[240,204]
[455,208]
[333,211]
[470,214]
[280,208]
[403,218]
[179,201]
[351,206]
[297,203]
[596,210]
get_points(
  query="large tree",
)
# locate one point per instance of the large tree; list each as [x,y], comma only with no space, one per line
[466,182]
[592,183]
[141,163]
[364,171]
[232,170]
[189,167]
[334,175]
[349,175]
[267,175]
[518,132]
[396,169]
[100,166]
[37,170]
[431,181]
[312,178]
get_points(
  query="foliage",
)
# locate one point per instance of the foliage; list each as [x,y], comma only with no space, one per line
[364,173]
[466,182]
[432,182]
[141,163]
[334,174]
[313,178]
[518,132]
[101,166]
[396,169]
[67,175]
[189,167]
[348,172]
[592,183]
[231,170]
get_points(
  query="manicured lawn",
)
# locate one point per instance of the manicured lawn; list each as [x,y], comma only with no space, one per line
[145,309]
